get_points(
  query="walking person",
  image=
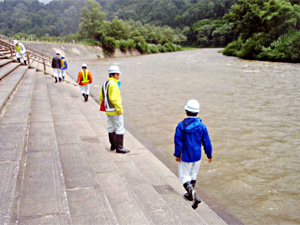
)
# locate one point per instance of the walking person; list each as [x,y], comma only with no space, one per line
[56,65]
[110,97]
[190,135]
[20,51]
[64,67]
[84,79]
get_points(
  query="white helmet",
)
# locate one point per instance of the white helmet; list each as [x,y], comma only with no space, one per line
[16,42]
[114,69]
[192,106]
[63,56]
[57,52]
[84,65]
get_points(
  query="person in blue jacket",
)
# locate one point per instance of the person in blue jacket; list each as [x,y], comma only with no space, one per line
[189,137]
[64,66]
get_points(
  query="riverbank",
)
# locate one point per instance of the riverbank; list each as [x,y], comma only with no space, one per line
[76,55]
[250,109]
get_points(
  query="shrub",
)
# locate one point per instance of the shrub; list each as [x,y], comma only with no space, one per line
[153,48]
[123,45]
[131,43]
[254,45]
[109,44]
[233,48]
[286,48]
[142,47]
[169,47]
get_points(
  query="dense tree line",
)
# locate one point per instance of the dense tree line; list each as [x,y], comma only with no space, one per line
[60,18]
[265,30]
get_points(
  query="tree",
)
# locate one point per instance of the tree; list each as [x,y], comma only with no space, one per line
[91,21]
[266,30]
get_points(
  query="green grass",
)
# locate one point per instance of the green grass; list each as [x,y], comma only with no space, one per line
[183,48]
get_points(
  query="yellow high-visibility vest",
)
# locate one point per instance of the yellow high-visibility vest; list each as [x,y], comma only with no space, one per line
[63,63]
[18,48]
[85,77]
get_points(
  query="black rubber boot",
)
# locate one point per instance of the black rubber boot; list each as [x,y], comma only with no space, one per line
[19,60]
[111,137]
[25,62]
[197,200]
[86,98]
[55,79]
[83,94]
[59,79]
[193,182]
[189,188]
[119,140]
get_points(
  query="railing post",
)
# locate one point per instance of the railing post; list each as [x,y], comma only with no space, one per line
[44,65]
[28,58]
[11,51]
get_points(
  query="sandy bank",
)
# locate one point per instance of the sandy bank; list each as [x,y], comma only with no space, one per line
[76,51]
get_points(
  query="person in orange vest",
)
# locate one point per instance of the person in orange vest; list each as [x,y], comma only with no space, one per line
[64,66]
[84,79]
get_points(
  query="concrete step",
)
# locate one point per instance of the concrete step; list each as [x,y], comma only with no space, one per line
[160,178]
[13,138]
[5,70]
[9,83]
[42,197]
[5,52]
[3,62]
[38,66]
[4,57]
[124,206]
[160,199]
[88,203]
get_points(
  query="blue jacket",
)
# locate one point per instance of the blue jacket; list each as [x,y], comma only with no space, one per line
[190,135]
[64,64]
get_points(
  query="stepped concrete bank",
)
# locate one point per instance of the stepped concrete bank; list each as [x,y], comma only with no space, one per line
[56,166]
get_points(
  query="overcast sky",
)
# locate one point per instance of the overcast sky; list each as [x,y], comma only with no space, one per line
[45,1]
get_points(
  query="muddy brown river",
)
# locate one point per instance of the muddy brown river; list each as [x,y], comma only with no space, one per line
[251,109]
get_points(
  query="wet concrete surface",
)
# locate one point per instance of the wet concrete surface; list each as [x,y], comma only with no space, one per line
[251,109]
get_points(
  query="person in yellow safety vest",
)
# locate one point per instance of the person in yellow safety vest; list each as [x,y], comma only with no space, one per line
[20,51]
[111,95]
[64,66]
[84,79]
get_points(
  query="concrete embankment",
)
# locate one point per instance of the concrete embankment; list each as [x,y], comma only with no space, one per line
[76,51]
[57,167]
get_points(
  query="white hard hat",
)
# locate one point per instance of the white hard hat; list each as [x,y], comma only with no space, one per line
[192,106]
[84,65]
[57,52]
[63,56]
[16,42]
[114,69]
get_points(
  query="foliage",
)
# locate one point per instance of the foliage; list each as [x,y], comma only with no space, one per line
[91,21]
[266,30]
[109,44]
[58,18]
[255,29]
[285,49]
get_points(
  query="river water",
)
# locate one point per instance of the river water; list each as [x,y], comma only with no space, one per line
[251,109]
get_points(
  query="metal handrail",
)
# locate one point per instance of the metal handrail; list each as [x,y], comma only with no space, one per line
[32,55]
